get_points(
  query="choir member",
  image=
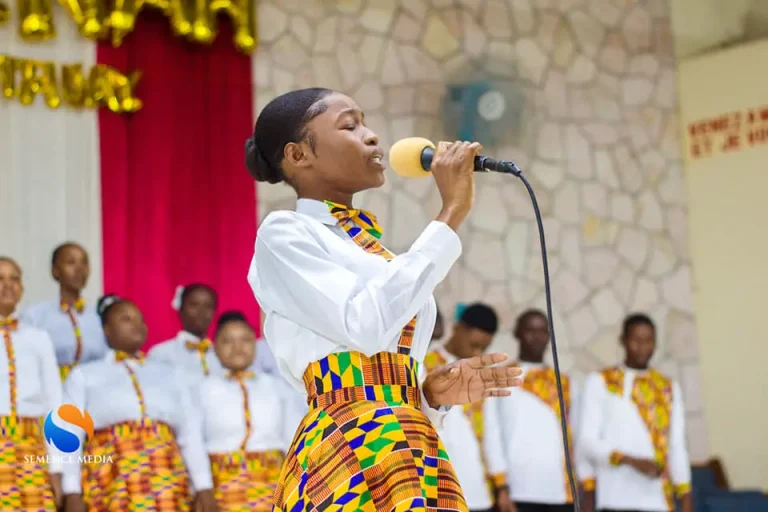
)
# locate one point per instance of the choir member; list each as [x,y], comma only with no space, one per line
[30,387]
[530,433]
[192,350]
[633,430]
[71,322]
[147,449]
[248,421]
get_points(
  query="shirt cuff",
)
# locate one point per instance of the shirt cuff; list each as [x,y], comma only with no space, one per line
[440,244]
[499,481]
[436,416]
[682,489]
[201,480]
[55,466]
[70,482]
[616,458]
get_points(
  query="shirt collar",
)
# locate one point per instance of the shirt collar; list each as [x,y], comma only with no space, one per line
[318,210]
[185,336]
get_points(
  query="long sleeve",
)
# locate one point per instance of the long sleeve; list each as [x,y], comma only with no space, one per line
[51,382]
[189,437]
[679,465]
[309,288]
[590,438]
[493,442]
[74,393]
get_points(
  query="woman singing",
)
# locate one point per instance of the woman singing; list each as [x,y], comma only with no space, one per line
[352,321]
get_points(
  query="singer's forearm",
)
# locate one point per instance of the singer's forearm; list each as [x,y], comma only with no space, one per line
[453,215]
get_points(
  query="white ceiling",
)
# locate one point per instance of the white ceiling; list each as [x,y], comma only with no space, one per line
[700,26]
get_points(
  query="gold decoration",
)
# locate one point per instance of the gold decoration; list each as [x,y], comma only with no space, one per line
[37,78]
[7,82]
[194,20]
[5,13]
[104,85]
[36,20]
[89,16]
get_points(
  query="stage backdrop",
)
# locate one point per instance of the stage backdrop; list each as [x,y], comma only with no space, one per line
[600,143]
[724,114]
[159,198]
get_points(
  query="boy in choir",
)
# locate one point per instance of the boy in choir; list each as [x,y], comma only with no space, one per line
[633,430]
[72,324]
[529,433]
[248,421]
[191,350]
[481,477]
[30,387]
[145,426]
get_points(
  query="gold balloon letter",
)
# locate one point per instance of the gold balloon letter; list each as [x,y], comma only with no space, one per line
[88,15]
[37,77]
[241,12]
[36,20]
[122,19]
[73,85]
[124,87]
[7,76]
[5,14]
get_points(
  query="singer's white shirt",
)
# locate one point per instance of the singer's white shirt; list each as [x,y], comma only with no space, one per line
[612,423]
[531,439]
[466,452]
[323,294]
[38,384]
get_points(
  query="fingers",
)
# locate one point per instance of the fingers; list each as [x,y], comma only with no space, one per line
[497,392]
[483,360]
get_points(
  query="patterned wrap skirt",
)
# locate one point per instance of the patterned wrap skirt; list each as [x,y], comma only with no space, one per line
[146,473]
[24,481]
[246,482]
[365,444]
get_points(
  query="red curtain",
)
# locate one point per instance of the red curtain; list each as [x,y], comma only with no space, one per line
[177,203]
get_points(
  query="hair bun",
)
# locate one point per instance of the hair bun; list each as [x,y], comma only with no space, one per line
[257,164]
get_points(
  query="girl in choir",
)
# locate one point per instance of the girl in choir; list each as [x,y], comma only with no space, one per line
[29,389]
[191,350]
[145,428]
[72,324]
[248,421]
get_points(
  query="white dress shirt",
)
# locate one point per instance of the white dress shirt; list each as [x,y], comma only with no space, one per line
[323,294]
[466,453]
[175,353]
[273,421]
[612,423]
[38,384]
[530,437]
[50,317]
[104,388]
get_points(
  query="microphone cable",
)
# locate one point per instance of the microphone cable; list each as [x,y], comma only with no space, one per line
[508,167]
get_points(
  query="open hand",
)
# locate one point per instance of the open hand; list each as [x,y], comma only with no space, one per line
[469,380]
[648,467]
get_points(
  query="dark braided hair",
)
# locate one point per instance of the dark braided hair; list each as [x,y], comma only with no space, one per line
[282,121]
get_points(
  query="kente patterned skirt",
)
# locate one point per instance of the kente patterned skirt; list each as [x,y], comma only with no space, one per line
[365,444]
[245,482]
[24,482]
[146,473]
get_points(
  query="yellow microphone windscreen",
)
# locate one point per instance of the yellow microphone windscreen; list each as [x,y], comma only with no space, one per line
[405,157]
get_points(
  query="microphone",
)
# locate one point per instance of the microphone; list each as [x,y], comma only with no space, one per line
[412,158]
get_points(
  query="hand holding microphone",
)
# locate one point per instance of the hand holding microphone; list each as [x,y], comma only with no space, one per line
[452,164]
